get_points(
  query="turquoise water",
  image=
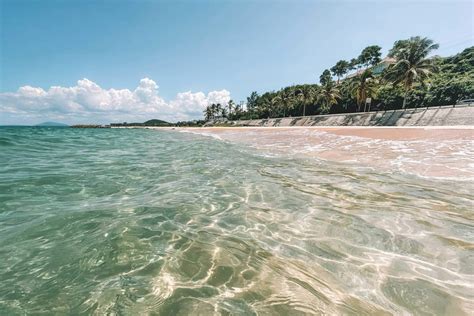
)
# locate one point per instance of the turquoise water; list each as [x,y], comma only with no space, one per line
[137,222]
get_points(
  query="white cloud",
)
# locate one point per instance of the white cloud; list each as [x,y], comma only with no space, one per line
[89,103]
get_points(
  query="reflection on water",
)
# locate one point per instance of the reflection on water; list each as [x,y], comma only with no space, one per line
[145,222]
[443,153]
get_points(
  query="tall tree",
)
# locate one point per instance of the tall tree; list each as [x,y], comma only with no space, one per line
[305,95]
[328,95]
[284,102]
[354,64]
[370,55]
[208,113]
[325,77]
[266,107]
[238,109]
[230,106]
[218,109]
[340,69]
[214,109]
[412,64]
[362,87]
[252,101]
[275,105]
[221,110]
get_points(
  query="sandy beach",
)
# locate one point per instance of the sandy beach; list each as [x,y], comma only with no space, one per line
[379,132]
[444,152]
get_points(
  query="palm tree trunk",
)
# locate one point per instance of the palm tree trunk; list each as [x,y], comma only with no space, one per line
[304,109]
[405,98]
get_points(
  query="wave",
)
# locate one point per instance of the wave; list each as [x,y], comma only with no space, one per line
[140,221]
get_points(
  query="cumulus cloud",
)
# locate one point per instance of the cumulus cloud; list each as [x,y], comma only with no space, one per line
[88,102]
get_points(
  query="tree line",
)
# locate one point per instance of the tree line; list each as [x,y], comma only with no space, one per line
[411,79]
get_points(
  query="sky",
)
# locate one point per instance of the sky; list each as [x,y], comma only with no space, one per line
[132,60]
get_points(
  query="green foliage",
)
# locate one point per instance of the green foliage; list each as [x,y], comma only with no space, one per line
[252,100]
[449,91]
[390,97]
[370,56]
[215,110]
[354,64]
[153,122]
[156,122]
[305,96]
[196,123]
[328,96]
[340,69]
[412,64]
[325,77]
[363,87]
[455,80]
[449,80]
[414,46]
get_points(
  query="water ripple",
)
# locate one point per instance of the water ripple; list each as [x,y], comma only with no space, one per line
[152,222]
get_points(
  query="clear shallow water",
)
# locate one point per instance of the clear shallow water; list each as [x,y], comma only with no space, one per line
[153,222]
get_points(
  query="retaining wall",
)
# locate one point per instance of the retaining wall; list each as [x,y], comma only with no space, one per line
[433,116]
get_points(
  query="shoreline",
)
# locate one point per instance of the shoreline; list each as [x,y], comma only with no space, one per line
[443,152]
[427,151]
[303,127]
[385,132]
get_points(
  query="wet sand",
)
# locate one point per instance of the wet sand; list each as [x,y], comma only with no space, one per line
[445,152]
[388,133]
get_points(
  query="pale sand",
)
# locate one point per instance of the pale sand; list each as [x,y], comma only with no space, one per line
[444,152]
[382,132]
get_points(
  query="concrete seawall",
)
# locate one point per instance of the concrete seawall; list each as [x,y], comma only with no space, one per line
[433,116]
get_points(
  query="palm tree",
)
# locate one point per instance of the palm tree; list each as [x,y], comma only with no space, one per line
[266,107]
[328,96]
[208,113]
[275,103]
[214,109]
[363,86]
[217,110]
[340,69]
[325,77]
[354,64]
[283,101]
[412,65]
[305,95]
[370,56]
[231,106]
[221,110]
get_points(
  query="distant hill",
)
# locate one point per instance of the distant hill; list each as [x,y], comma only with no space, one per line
[153,122]
[156,122]
[52,124]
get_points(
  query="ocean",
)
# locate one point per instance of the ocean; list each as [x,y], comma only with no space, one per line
[160,222]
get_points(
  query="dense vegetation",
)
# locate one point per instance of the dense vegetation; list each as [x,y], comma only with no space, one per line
[412,79]
[161,123]
[153,122]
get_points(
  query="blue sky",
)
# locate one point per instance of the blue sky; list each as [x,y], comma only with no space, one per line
[201,46]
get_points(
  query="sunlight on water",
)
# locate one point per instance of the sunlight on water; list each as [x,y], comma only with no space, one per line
[152,222]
